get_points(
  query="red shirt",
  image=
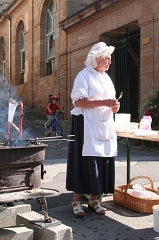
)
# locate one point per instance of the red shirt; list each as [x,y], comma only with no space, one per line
[53,108]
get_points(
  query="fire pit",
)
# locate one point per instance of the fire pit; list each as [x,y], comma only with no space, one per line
[21,171]
[20,167]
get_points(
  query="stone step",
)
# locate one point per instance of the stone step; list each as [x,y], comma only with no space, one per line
[16,233]
[44,231]
[8,213]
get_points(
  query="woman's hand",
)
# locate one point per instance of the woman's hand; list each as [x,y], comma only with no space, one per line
[113,104]
[116,108]
[91,103]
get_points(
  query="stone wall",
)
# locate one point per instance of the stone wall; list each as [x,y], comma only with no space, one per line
[81,35]
[37,86]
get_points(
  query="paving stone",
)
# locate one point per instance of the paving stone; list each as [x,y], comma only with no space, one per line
[16,233]
[8,213]
[48,231]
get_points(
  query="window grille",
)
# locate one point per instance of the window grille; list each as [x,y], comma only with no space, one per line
[22,55]
[50,39]
[3,67]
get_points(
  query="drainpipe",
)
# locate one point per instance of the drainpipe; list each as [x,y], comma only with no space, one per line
[9,50]
[153,54]
[59,56]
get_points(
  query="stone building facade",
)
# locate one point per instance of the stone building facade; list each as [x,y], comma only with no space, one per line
[38,59]
[30,42]
[132,27]
[29,45]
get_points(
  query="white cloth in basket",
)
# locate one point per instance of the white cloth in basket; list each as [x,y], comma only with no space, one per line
[140,192]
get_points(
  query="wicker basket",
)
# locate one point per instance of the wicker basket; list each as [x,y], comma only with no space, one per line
[142,205]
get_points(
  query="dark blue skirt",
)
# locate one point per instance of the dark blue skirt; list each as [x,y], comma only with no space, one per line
[87,174]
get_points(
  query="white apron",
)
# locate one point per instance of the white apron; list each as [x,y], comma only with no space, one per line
[99,130]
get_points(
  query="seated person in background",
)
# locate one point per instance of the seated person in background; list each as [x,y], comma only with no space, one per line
[52,107]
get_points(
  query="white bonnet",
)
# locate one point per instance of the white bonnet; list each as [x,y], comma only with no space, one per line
[98,50]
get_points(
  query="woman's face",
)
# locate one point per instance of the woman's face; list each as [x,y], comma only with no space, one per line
[103,64]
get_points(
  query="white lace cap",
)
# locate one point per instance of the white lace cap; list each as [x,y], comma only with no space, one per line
[98,50]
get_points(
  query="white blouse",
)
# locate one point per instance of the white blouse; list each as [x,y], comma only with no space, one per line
[99,130]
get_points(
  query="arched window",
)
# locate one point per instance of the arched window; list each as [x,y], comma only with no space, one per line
[50,39]
[22,55]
